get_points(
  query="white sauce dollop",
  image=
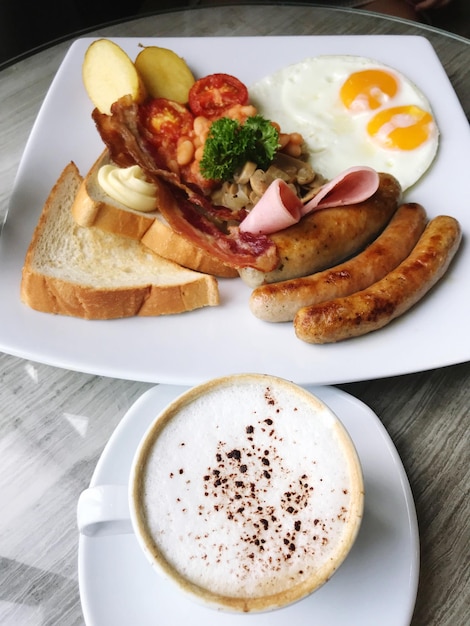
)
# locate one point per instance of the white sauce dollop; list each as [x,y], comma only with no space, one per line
[128,186]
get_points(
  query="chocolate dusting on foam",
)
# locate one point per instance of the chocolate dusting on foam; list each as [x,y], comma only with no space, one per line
[242,485]
[246,502]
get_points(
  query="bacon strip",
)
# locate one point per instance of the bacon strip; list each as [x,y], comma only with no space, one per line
[126,141]
[236,248]
[190,214]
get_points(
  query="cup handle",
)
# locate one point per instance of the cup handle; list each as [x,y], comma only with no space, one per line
[104,510]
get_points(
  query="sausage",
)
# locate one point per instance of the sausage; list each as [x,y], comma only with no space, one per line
[376,306]
[327,237]
[279,302]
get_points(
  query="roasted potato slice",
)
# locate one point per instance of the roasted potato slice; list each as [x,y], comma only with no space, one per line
[165,74]
[108,74]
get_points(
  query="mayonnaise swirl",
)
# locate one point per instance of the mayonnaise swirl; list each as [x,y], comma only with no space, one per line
[128,186]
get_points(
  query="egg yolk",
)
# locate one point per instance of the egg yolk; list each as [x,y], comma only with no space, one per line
[368,90]
[403,128]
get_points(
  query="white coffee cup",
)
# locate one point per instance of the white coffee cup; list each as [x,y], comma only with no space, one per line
[246,491]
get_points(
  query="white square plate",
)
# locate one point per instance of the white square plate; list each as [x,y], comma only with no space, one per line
[187,349]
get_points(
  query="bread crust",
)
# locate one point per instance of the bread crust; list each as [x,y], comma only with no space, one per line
[44,289]
[88,211]
[53,295]
[92,208]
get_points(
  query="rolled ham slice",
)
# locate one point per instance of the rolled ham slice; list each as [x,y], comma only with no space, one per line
[354,185]
[280,207]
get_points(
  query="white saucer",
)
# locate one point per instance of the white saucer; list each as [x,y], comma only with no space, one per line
[377,583]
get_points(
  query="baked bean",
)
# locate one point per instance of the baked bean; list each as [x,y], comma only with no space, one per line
[284,139]
[296,138]
[184,151]
[201,127]
[198,153]
[240,112]
[293,149]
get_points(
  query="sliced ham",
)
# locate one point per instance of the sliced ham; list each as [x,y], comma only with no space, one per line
[280,207]
[354,185]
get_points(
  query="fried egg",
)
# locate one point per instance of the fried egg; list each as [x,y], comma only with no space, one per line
[352,111]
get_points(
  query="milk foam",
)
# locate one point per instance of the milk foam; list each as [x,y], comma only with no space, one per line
[247,490]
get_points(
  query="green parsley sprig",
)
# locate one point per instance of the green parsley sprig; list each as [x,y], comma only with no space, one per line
[230,145]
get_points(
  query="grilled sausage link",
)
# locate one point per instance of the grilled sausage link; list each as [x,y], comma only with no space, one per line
[376,306]
[323,238]
[279,302]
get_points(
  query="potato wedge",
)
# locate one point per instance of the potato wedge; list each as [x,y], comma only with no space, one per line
[165,74]
[108,74]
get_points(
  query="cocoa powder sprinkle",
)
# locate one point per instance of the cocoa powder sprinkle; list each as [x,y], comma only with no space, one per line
[239,501]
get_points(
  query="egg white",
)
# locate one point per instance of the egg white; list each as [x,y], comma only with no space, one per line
[304,98]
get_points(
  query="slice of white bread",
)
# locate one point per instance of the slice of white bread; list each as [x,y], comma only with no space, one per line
[93,207]
[93,274]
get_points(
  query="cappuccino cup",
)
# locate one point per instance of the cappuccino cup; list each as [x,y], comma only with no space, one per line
[246,492]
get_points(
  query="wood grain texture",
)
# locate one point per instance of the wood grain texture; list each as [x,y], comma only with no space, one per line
[54,423]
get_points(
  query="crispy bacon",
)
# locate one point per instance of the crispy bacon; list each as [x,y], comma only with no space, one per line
[234,248]
[213,229]
[124,136]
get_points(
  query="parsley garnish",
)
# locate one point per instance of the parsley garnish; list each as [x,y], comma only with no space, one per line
[230,145]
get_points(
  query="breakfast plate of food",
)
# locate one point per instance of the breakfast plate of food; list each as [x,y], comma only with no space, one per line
[183,212]
[377,583]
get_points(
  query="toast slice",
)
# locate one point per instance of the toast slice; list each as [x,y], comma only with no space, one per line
[92,274]
[93,207]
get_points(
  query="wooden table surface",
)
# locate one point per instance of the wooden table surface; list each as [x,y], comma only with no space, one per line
[55,423]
